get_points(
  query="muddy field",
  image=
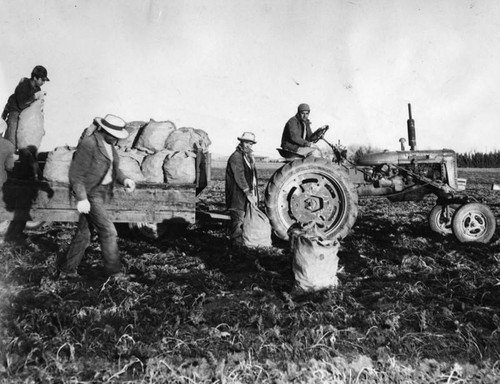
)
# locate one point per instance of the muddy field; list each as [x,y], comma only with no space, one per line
[411,306]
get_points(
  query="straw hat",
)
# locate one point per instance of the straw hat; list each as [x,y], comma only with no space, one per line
[114,125]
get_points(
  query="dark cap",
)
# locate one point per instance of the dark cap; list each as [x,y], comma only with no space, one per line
[303,107]
[39,72]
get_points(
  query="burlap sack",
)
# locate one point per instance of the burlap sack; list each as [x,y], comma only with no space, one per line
[58,163]
[315,260]
[256,228]
[180,168]
[153,135]
[203,140]
[182,139]
[30,130]
[133,128]
[88,131]
[130,166]
[152,166]
[136,154]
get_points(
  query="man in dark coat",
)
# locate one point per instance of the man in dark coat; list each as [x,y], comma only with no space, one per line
[26,92]
[297,133]
[241,184]
[93,172]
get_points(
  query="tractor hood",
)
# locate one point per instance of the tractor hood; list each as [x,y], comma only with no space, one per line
[406,157]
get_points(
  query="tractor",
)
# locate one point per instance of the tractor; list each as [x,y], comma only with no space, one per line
[325,189]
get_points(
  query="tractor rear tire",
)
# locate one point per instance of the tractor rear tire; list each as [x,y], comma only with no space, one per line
[311,189]
[474,223]
[441,218]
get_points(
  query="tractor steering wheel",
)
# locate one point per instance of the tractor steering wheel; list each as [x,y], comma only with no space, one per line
[319,133]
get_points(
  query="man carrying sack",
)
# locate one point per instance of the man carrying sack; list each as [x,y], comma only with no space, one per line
[26,93]
[94,170]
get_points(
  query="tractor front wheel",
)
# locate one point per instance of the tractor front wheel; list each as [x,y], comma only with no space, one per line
[474,222]
[440,219]
[311,189]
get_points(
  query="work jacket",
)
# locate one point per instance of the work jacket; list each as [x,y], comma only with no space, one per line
[293,134]
[240,176]
[90,164]
[22,98]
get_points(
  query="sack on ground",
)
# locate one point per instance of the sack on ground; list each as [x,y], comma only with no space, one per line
[133,128]
[58,163]
[180,168]
[315,260]
[152,166]
[153,135]
[256,228]
[130,166]
[30,129]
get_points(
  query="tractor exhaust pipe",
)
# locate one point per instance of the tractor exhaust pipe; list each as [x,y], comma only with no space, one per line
[412,140]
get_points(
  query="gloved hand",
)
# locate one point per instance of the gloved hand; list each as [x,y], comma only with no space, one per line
[39,95]
[129,185]
[83,206]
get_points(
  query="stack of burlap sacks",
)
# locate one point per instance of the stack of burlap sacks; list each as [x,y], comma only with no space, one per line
[155,152]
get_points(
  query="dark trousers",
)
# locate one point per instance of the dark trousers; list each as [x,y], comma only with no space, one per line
[11,131]
[98,219]
[15,230]
[236,233]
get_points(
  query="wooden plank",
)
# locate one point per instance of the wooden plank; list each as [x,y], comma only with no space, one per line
[53,202]
[62,215]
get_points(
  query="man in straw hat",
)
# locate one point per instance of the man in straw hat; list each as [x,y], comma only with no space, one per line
[297,134]
[241,184]
[93,172]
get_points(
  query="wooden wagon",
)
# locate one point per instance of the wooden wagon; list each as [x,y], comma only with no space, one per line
[150,205]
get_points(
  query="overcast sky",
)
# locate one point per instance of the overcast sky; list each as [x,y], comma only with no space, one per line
[229,66]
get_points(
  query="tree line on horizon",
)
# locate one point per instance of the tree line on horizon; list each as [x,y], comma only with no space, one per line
[479,159]
[471,159]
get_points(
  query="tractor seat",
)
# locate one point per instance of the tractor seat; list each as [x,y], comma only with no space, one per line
[289,155]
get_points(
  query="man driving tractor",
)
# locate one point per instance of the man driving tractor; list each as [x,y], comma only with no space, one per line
[297,138]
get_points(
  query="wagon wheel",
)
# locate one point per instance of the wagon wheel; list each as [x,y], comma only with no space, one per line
[440,219]
[311,189]
[474,222]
